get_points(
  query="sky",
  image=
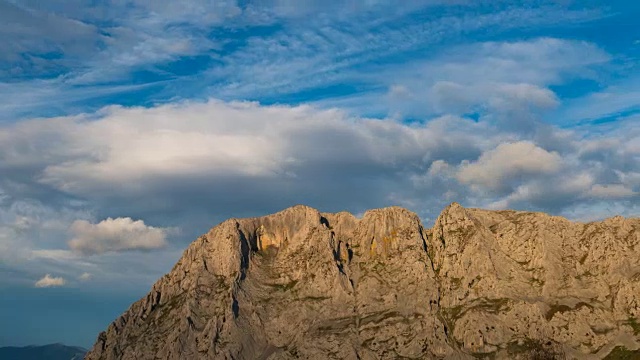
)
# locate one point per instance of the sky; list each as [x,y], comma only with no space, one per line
[128,128]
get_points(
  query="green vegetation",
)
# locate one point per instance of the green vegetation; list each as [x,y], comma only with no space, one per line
[378,266]
[492,306]
[269,252]
[583,275]
[488,356]
[633,322]
[536,282]
[449,316]
[284,287]
[558,308]
[622,353]
[452,314]
[456,283]
[601,331]
[293,351]
[316,298]
[535,349]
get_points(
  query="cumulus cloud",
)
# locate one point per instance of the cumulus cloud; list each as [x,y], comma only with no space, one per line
[50,281]
[120,234]
[126,147]
[506,161]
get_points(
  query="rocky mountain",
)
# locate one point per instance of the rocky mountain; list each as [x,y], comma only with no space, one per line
[301,284]
[45,352]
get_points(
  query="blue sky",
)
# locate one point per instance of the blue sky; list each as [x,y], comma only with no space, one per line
[128,128]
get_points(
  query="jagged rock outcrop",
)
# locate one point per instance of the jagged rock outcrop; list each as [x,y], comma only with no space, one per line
[301,284]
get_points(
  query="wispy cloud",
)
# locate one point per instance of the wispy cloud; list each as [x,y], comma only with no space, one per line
[257,50]
[497,78]
[289,62]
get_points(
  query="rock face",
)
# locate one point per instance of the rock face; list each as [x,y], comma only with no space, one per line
[301,284]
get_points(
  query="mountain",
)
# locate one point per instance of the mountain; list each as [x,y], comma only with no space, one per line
[301,284]
[45,352]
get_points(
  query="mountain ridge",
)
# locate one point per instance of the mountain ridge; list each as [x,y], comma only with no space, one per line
[479,283]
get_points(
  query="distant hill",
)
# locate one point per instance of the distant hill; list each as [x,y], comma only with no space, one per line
[45,352]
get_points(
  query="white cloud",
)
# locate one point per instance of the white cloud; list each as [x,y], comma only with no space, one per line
[562,188]
[448,96]
[508,81]
[399,92]
[85,276]
[218,149]
[118,234]
[59,255]
[265,65]
[49,281]
[439,168]
[125,147]
[630,179]
[506,161]
[341,47]
[522,93]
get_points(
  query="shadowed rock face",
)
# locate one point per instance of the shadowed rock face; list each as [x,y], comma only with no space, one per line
[301,284]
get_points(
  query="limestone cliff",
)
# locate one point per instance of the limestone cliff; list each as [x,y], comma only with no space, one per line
[301,284]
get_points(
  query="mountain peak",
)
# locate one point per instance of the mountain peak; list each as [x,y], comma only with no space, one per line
[305,284]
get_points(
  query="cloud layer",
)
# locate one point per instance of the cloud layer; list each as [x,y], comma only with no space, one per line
[240,153]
